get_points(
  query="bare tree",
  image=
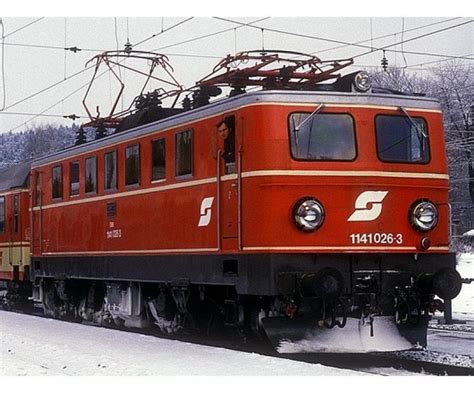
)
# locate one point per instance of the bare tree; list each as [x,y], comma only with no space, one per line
[454,87]
[452,84]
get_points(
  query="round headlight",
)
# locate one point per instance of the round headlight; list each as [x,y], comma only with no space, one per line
[423,215]
[362,81]
[308,214]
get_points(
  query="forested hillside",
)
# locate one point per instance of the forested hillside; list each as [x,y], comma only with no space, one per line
[35,142]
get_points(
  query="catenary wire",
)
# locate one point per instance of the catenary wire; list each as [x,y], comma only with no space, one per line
[163,31]
[56,47]
[371,49]
[4,89]
[87,68]
[60,82]
[68,96]
[23,27]
[37,114]
[210,34]
[417,38]
[197,38]
[386,36]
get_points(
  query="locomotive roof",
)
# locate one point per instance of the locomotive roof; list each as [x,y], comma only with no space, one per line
[14,176]
[256,97]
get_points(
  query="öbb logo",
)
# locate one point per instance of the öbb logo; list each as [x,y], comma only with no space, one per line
[368,206]
[206,212]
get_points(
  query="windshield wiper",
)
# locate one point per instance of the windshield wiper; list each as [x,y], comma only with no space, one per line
[419,129]
[417,126]
[314,113]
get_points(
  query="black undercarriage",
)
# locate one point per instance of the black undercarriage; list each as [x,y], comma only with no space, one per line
[290,296]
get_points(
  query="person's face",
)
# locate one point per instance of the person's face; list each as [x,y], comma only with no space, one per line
[223,131]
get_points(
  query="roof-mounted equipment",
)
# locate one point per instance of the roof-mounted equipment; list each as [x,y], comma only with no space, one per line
[115,61]
[272,69]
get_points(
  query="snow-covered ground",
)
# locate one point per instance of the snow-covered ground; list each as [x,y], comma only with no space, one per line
[51,347]
[185,374]
[463,304]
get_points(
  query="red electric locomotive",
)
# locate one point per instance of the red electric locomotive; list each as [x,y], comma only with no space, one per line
[315,208]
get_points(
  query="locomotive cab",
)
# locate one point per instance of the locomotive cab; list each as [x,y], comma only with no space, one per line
[353,212]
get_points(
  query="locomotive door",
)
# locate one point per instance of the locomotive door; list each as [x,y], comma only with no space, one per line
[14,236]
[36,221]
[228,182]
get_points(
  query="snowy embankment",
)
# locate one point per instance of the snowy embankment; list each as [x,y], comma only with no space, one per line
[463,304]
[39,346]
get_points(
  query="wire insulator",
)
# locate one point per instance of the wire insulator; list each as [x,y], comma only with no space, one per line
[128,47]
[384,62]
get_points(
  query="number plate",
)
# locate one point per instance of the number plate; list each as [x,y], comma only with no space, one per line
[376,238]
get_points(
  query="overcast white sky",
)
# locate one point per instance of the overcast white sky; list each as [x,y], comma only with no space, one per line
[34,58]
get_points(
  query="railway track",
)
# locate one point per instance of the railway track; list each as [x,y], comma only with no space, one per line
[416,362]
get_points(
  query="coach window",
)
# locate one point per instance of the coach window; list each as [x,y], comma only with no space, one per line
[16,212]
[2,214]
[184,153]
[110,171]
[37,195]
[158,159]
[322,136]
[91,175]
[74,178]
[132,165]
[57,178]
[402,139]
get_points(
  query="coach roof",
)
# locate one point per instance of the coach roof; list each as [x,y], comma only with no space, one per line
[15,176]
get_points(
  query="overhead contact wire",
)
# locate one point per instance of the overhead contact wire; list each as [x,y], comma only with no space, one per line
[72,93]
[252,25]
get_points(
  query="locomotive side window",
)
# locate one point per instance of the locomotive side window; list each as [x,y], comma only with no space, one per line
[74,178]
[110,170]
[91,175]
[132,165]
[322,137]
[184,153]
[2,214]
[158,159]
[57,178]
[402,139]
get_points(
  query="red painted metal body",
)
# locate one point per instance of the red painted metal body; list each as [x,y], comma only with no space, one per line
[251,208]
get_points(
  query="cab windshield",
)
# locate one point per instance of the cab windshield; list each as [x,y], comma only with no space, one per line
[322,137]
[402,139]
